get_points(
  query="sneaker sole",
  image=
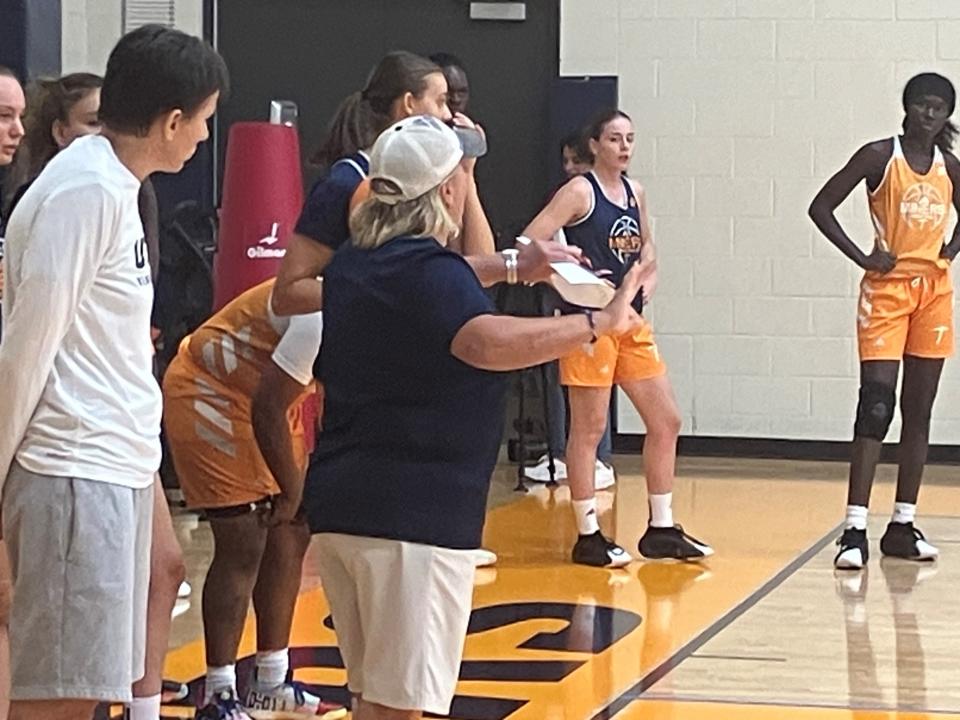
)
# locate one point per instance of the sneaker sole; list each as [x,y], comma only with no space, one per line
[291,715]
[612,565]
[545,478]
[914,558]
[706,553]
[842,564]
[616,564]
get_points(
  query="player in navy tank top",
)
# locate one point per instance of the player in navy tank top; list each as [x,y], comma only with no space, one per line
[610,235]
[605,214]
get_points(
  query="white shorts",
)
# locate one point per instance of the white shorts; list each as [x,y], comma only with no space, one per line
[400,611]
[80,560]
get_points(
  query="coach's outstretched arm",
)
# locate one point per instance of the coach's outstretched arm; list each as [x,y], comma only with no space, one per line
[495,342]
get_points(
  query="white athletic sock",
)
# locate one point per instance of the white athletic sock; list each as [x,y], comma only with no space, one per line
[586,513]
[145,708]
[661,510]
[219,679]
[904,512]
[856,517]
[272,667]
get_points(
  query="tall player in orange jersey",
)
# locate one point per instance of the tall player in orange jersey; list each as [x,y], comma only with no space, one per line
[906,303]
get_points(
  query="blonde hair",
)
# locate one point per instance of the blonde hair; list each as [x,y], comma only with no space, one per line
[375,222]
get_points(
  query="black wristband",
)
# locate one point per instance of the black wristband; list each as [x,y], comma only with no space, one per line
[593,325]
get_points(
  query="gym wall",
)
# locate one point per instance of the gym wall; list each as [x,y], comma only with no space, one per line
[742,109]
[92,27]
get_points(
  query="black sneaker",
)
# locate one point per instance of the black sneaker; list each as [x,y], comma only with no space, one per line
[672,542]
[597,551]
[903,540]
[854,550]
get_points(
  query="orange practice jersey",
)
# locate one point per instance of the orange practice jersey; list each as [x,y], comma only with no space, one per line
[911,214]
[235,345]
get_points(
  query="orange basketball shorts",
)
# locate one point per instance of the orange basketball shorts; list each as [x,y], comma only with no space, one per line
[614,360]
[905,316]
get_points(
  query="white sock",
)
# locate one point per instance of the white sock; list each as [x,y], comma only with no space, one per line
[904,512]
[219,679]
[856,517]
[661,510]
[145,708]
[586,513]
[272,667]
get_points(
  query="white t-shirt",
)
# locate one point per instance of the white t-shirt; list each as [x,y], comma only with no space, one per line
[297,349]
[76,384]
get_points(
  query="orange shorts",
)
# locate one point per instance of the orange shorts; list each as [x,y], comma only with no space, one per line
[613,360]
[906,316]
[210,434]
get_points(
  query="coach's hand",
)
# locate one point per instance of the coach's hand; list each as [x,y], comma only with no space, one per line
[619,317]
[534,258]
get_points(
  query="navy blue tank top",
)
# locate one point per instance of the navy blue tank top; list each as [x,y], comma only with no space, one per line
[609,235]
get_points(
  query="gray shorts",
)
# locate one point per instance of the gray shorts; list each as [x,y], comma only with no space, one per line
[80,562]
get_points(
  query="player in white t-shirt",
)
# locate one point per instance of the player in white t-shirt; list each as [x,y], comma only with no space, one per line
[80,443]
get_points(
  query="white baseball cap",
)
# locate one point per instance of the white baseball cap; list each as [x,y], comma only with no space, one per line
[415,155]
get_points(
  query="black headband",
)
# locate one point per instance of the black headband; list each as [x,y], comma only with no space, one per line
[925,84]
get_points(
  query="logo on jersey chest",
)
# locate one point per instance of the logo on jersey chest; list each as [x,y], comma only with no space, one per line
[625,237]
[140,258]
[922,206]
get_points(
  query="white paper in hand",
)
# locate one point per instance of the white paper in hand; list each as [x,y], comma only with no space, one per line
[578,286]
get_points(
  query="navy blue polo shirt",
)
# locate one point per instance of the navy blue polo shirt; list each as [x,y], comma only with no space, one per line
[325,214]
[410,433]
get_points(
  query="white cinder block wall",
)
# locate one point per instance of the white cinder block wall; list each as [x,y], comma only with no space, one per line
[742,109]
[92,27]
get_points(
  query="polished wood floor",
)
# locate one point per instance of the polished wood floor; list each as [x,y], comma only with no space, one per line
[762,630]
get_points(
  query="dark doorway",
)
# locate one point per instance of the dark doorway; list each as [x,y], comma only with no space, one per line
[317,52]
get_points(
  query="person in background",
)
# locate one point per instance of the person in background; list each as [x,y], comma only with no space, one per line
[575,154]
[458,85]
[12,106]
[401,85]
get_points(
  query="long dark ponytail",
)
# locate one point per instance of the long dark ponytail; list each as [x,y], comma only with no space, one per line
[362,116]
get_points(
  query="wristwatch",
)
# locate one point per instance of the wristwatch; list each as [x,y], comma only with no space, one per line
[510,260]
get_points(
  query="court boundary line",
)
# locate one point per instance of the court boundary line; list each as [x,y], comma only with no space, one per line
[857,707]
[634,692]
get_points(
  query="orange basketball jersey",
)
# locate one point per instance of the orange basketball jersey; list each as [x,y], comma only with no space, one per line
[235,345]
[911,214]
[208,395]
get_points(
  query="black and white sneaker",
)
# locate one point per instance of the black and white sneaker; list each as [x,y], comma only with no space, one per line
[660,543]
[595,550]
[854,550]
[903,540]
[223,706]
